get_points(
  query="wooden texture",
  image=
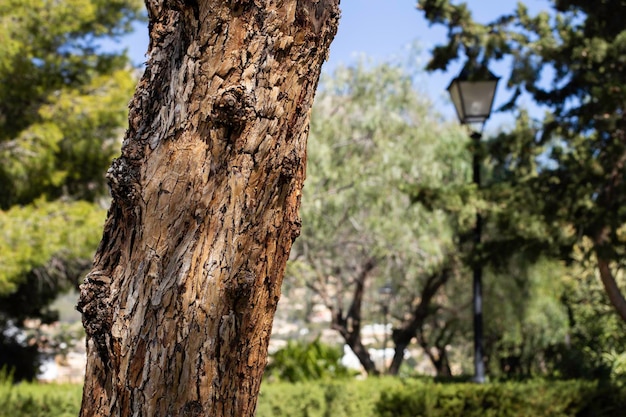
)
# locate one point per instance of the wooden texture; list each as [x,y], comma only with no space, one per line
[179,304]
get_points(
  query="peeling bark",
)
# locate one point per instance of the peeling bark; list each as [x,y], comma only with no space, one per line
[179,304]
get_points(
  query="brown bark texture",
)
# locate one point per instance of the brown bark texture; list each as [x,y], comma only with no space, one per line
[179,304]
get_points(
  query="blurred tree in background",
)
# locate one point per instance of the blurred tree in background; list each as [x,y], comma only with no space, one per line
[552,199]
[388,196]
[557,186]
[62,113]
[570,60]
[371,131]
[389,200]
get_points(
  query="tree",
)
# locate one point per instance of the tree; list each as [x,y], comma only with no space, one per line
[596,335]
[371,131]
[569,60]
[62,107]
[178,306]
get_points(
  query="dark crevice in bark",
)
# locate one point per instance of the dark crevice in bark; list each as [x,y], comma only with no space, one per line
[314,14]
[233,109]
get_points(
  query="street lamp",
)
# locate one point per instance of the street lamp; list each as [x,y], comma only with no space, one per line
[385,293]
[472,93]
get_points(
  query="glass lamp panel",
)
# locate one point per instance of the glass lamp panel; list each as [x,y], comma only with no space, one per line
[477,99]
[455,96]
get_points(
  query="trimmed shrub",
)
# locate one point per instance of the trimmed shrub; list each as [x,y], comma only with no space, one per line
[537,398]
[374,397]
[341,398]
[39,400]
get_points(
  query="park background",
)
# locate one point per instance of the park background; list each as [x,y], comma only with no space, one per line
[545,317]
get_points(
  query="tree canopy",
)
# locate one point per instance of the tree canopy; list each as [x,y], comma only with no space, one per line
[570,163]
[390,201]
[372,131]
[62,113]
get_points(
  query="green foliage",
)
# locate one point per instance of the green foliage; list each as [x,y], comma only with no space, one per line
[596,336]
[530,399]
[346,398]
[302,361]
[62,112]
[38,400]
[62,101]
[33,234]
[570,165]
[44,248]
[48,46]
[371,129]
[63,107]
[373,397]
[528,322]
[349,398]
[68,149]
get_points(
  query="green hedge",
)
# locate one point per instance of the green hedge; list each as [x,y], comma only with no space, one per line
[528,399]
[39,400]
[374,397]
[341,398]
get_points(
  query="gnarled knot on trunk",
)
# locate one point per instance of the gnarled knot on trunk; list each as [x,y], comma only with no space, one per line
[289,167]
[233,108]
[123,179]
[240,288]
[96,310]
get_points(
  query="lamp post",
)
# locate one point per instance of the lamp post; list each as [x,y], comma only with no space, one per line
[385,293]
[472,93]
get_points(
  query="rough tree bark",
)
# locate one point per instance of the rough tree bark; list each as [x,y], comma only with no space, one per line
[179,304]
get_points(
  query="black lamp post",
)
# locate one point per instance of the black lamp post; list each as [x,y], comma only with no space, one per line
[472,93]
[385,293]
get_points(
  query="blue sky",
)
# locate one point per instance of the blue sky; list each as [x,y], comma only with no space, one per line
[385,30]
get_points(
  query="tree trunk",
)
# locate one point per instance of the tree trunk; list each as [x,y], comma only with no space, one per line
[349,327]
[403,335]
[436,352]
[602,249]
[612,289]
[179,304]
